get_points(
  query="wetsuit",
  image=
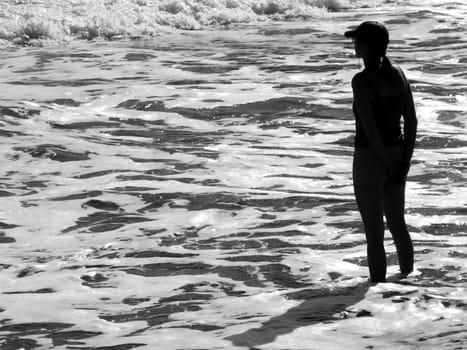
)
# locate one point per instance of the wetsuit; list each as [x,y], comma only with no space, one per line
[374,191]
[387,111]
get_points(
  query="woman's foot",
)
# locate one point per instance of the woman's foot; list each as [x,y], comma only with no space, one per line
[405,272]
[377,280]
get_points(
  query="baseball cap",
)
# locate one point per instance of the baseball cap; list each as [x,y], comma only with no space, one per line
[371,33]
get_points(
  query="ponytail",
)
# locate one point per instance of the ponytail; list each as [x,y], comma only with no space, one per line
[386,68]
[377,56]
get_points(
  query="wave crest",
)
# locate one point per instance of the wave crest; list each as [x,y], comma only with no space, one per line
[26,22]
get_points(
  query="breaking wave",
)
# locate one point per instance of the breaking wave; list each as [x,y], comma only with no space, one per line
[40,21]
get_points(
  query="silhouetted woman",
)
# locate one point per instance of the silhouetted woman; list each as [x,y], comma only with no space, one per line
[382,97]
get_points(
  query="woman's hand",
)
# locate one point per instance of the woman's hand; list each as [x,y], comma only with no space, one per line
[397,171]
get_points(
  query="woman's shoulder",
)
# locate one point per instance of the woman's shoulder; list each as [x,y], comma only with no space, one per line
[360,80]
[398,71]
[401,79]
[363,84]
[371,82]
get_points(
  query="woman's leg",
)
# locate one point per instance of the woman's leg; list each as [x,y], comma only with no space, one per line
[368,179]
[394,206]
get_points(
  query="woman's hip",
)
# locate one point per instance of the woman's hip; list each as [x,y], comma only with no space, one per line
[368,166]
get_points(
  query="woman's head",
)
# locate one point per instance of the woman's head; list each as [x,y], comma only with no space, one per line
[371,36]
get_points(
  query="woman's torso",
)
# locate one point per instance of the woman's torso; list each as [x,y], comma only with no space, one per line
[387,100]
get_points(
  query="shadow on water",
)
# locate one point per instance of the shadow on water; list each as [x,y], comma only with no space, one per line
[319,306]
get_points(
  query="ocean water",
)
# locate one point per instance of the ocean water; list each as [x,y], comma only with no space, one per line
[192,189]
[40,22]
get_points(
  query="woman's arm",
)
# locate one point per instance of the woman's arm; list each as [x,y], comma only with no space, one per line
[361,93]
[410,125]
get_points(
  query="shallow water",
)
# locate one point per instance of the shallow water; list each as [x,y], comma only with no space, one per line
[193,191]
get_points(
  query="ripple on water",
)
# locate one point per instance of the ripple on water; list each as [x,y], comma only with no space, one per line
[4,239]
[454,118]
[17,112]
[58,153]
[440,142]
[446,229]
[104,221]
[33,81]
[269,107]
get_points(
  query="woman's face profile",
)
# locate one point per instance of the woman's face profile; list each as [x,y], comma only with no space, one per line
[360,48]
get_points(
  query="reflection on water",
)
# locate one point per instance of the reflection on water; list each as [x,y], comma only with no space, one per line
[197,194]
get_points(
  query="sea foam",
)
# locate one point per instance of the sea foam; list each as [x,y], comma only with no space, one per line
[41,22]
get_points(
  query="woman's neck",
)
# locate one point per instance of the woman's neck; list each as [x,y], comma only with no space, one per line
[372,64]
